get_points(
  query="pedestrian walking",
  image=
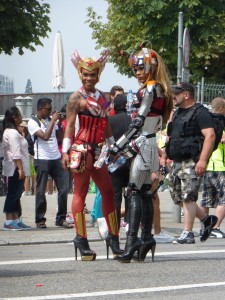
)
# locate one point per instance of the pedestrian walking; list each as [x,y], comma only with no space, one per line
[190,145]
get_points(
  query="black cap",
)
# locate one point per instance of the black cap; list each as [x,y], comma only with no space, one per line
[120,102]
[182,87]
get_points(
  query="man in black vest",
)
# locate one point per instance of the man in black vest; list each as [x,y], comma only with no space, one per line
[190,145]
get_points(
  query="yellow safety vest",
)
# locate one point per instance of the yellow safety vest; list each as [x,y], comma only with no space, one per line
[217,159]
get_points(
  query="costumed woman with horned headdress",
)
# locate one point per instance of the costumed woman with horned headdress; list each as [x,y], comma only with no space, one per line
[154,103]
[90,106]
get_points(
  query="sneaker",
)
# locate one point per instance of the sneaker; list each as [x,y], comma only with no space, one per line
[92,222]
[23,226]
[12,226]
[124,224]
[163,237]
[69,219]
[207,225]
[187,237]
[217,233]
[102,228]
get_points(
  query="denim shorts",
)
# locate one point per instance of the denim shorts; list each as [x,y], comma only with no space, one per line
[213,189]
[184,183]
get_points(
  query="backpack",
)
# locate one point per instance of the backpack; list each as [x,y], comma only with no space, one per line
[29,139]
[218,120]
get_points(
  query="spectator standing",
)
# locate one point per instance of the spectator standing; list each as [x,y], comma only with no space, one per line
[120,178]
[115,90]
[189,162]
[15,166]
[47,161]
[213,192]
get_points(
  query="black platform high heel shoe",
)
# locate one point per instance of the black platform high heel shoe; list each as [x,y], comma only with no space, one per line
[147,245]
[112,241]
[82,244]
[133,244]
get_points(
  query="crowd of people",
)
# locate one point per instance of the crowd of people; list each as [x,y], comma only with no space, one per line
[92,132]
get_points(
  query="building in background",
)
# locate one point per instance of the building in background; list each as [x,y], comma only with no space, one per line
[6,85]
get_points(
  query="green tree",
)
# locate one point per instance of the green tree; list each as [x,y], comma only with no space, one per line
[131,22]
[22,23]
[28,89]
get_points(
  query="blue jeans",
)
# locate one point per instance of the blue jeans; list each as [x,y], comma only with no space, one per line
[53,168]
[15,190]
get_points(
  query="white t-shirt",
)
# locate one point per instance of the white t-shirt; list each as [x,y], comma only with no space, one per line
[44,149]
[15,146]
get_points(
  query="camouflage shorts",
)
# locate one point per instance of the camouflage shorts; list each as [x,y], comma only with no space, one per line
[213,192]
[184,183]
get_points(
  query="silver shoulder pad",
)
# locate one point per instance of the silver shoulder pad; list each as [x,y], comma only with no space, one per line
[159,91]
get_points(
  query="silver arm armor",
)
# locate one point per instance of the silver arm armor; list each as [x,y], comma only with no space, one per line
[137,122]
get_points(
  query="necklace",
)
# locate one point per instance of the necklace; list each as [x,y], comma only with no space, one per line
[94,95]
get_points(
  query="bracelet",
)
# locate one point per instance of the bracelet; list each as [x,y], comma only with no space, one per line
[110,140]
[66,145]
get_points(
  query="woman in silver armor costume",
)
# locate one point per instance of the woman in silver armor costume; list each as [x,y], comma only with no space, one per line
[154,106]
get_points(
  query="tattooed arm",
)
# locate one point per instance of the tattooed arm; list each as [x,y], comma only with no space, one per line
[74,106]
[72,109]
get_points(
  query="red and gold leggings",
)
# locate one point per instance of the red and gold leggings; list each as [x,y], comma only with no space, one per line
[81,183]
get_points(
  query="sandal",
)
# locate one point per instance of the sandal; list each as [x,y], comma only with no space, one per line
[64,224]
[41,225]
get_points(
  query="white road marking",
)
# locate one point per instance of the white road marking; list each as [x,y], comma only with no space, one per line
[121,292]
[100,257]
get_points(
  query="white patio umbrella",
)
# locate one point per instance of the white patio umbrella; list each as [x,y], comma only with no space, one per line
[58,80]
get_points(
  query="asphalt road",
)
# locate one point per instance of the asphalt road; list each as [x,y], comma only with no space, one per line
[49,271]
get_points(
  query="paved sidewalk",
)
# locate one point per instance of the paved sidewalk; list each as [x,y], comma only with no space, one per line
[54,234]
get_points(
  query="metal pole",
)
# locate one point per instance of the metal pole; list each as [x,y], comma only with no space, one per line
[180,48]
[199,92]
[176,208]
[202,90]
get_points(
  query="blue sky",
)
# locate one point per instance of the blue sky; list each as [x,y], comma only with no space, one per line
[67,16]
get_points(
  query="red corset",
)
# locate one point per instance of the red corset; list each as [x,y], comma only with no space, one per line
[91,130]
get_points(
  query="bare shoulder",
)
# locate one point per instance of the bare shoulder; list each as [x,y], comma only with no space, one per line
[74,102]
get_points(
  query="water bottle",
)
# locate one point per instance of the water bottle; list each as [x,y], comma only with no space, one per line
[118,163]
[129,102]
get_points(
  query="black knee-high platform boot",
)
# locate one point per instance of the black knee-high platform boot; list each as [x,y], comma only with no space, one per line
[133,243]
[148,242]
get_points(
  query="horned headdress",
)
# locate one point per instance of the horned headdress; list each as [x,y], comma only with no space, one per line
[89,63]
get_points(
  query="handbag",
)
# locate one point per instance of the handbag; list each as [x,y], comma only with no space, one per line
[77,158]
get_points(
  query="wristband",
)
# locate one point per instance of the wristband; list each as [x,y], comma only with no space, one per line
[110,140]
[66,145]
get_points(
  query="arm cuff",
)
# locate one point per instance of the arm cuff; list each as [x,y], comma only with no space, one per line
[66,145]
[110,140]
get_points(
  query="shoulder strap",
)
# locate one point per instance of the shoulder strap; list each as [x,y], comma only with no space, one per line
[36,119]
[190,113]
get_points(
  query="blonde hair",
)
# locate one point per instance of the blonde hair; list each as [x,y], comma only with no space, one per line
[217,103]
[160,75]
